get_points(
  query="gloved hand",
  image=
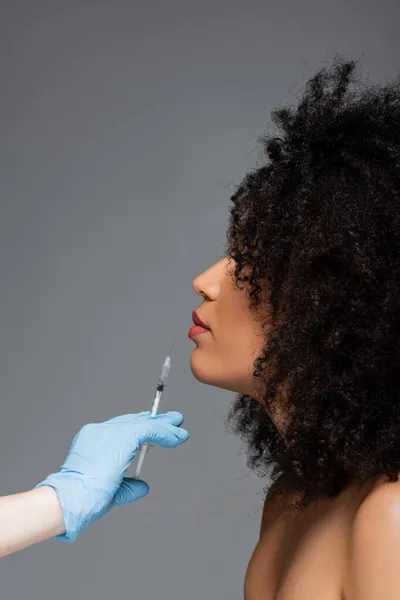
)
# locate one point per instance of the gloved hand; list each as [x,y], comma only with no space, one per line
[91,480]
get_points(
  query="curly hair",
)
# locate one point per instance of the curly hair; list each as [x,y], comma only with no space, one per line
[315,234]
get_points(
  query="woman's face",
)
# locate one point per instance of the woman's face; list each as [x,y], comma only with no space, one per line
[224,355]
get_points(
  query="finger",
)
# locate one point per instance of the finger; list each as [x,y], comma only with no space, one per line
[162,434]
[130,490]
[172,417]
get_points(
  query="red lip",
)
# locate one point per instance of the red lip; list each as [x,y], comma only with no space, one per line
[198,321]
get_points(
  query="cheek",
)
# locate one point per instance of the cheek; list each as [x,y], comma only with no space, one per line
[241,338]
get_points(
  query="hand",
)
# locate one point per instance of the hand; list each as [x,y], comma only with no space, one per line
[91,480]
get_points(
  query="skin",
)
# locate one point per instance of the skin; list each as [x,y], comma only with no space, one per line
[29,518]
[346,548]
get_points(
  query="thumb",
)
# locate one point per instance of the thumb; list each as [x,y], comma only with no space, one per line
[130,490]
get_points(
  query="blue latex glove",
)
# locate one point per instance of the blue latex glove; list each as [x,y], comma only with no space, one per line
[91,480]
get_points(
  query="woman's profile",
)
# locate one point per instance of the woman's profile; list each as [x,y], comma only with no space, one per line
[302,320]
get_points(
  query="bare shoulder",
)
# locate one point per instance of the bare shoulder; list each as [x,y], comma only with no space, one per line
[373,566]
[382,495]
[379,508]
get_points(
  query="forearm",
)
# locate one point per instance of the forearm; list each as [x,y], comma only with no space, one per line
[29,518]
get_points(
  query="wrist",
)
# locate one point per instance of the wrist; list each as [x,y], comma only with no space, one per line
[83,500]
[50,505]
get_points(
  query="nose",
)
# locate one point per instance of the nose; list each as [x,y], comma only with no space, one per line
[208,283]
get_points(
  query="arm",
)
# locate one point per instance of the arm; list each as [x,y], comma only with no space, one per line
[29,518]
[373,565]
[90,482]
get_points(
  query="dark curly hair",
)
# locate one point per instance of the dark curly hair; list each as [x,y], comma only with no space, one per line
[315,233]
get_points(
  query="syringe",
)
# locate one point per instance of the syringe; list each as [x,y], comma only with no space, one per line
[160,388]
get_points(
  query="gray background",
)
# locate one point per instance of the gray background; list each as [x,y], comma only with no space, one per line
[124,126]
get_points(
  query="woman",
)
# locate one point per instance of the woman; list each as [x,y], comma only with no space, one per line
[302,320]
[310,341]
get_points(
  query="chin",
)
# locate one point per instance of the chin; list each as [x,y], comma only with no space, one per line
[205,372]
[199,368]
